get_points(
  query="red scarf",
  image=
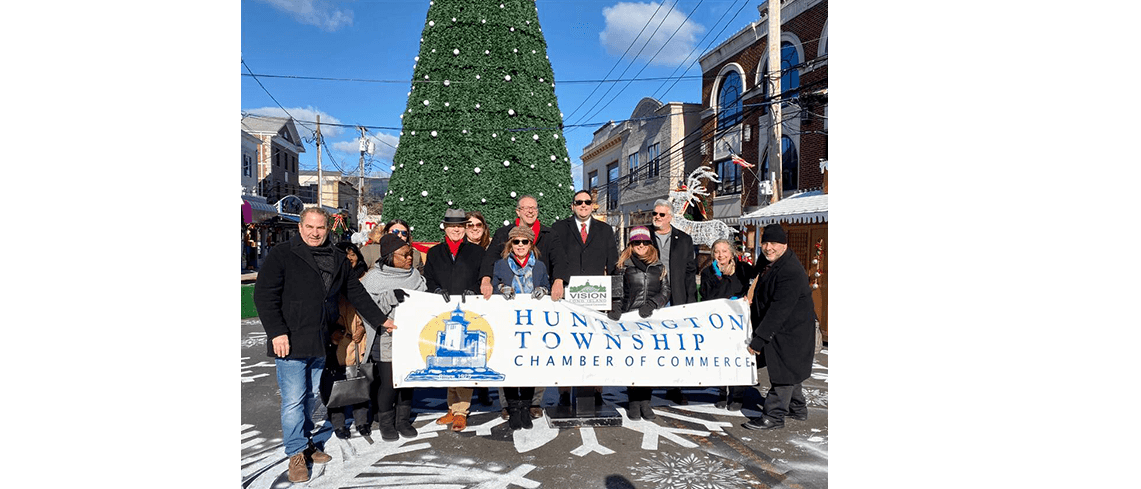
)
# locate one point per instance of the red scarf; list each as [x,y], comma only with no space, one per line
[534,228]
[453,246]
[521,263]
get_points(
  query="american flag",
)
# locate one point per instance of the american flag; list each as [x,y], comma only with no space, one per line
[739,161]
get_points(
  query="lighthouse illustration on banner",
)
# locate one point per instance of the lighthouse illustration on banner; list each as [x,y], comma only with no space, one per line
[461,349]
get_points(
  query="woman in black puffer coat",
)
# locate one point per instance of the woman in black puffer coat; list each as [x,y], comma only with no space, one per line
[645,287]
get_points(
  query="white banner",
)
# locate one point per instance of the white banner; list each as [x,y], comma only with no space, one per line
[527,342]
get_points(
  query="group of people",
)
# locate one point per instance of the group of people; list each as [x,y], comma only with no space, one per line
[332,305]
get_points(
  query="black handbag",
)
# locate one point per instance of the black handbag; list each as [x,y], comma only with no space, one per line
[348,387]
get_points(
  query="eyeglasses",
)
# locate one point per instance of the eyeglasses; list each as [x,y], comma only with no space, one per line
[529,208]
[520,241]
[583,202]
[659,214]
[399,232]
[475,224]
[640,243]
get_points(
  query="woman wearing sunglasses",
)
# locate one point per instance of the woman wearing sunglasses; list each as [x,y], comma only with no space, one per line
[519,271]
[645,287]
[400,228]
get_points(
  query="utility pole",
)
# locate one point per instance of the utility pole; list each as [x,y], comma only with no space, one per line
[774,89]
[320,174]
[360,184]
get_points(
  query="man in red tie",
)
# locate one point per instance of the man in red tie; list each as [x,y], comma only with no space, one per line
[590,249]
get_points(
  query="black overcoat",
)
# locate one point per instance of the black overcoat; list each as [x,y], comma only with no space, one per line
[454,276]
[598,256]
[550,253]
[291,298]
[683,267]
[785,331]
[724,287]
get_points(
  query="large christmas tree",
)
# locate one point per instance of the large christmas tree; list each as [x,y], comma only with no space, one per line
[482,126]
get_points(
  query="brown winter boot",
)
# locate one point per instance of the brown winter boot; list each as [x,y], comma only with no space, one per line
[316,455]
[298,472]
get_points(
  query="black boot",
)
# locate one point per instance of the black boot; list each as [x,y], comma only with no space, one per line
[525,415]
[386,420]
[647,411]
[516,411]
[634,410]
[404,421]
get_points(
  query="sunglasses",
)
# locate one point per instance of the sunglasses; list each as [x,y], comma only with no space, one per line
[399,232]
[475,224]
[640,243]
[520,241]
[583,202]
[659,214]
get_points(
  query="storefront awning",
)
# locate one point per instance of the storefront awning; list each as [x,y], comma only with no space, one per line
[807,207]
[254,209]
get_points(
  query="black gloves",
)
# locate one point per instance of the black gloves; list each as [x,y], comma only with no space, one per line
[400,295]
[507,291]
[539,292]
[646,310]
[614,314]
[444,293]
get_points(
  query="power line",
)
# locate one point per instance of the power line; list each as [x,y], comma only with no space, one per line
[695,60]
[619,61]
[453,82]
[651,60]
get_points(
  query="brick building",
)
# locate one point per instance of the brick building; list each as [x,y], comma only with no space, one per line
[737,120]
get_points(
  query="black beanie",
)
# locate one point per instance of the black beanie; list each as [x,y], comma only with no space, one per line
[774,234]
[389,243]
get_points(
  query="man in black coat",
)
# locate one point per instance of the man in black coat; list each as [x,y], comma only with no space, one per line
[546,241]
[590,249]
[453,266]
[594,254]
[296,295]
[785,331]
[675,249]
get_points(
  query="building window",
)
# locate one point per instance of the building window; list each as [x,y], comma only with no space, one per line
[247,166]
[632,167]
[789,164]
[729,101]
[653,159]
[789,78]
[730,175]
[612,186]
[592,180]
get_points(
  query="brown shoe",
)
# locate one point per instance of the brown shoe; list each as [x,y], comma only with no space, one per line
[298,471]
[447,418]
[317,456]
[505,414]
[536,412]
[459,422]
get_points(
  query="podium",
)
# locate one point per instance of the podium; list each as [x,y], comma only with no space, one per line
[583,412]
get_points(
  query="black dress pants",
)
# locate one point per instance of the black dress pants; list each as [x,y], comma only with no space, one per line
[783,399]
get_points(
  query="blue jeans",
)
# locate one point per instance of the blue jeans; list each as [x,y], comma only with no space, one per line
[298,380]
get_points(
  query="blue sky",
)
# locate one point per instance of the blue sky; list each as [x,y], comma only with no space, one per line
[378,41]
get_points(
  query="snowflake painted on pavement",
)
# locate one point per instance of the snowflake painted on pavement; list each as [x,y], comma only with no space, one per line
[816,397]
[684,472]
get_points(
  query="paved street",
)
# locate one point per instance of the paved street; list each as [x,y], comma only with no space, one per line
[697,445]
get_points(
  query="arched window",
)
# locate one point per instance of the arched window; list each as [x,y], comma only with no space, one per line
[729,101]
[789,164]
[789,78]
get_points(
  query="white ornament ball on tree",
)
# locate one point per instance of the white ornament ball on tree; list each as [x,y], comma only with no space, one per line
[477,169]
[512,194]
[424,193]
